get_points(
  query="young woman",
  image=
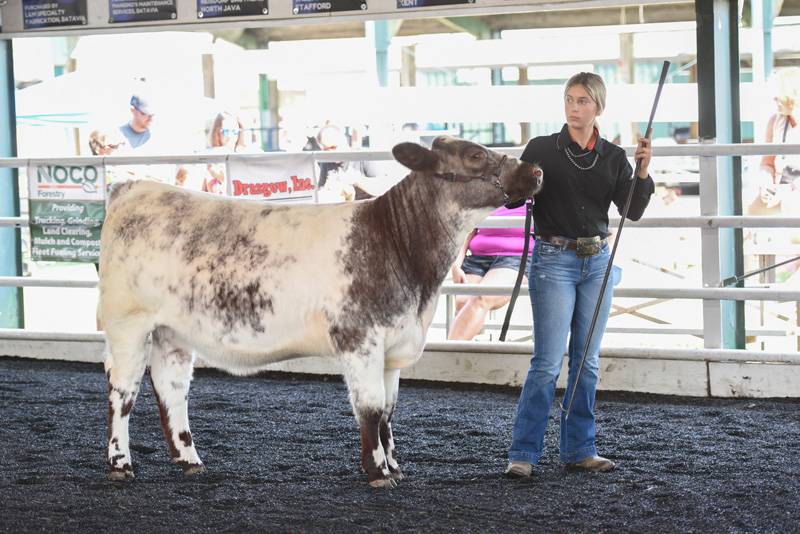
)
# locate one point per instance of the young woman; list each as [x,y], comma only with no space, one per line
[585,173]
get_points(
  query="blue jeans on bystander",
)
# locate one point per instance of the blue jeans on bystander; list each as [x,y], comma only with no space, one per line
[564,290]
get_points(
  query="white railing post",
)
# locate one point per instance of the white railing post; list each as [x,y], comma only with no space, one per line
[709,246]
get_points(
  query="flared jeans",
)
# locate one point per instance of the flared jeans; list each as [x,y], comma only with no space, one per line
[564,290]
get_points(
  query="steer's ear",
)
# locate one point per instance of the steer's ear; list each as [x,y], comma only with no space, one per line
[415,157]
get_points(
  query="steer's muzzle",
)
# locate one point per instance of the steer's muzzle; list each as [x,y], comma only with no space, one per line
[523,183]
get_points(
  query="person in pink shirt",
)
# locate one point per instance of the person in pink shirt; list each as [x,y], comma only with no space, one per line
[493,259]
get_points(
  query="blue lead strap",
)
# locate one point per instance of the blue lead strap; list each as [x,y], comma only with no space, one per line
[521,273]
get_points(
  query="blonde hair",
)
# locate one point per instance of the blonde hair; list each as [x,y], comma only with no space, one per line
[593,84]
[785,83]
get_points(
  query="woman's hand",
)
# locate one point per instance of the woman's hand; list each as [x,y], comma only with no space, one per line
[459,276]
[769,195]
[644,152]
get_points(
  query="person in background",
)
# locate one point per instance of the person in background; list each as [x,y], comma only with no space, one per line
[137,129]
[227,135]
[140,140]
[585,173]
[107,143]
[494,259]
[776,189]
[102,144]
[780,175]
[364,177]
[339,180]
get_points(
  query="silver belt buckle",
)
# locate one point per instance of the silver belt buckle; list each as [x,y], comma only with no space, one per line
[587,246]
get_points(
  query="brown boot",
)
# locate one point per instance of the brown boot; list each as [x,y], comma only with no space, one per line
[517,469]
[594,464]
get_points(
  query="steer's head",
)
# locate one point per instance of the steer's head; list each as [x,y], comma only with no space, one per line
[489,179]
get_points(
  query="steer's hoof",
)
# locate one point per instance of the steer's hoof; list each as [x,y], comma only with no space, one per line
[120,474]
[193,469]
[383,483]
[397,474]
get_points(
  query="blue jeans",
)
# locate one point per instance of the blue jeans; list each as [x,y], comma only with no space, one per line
[564,290]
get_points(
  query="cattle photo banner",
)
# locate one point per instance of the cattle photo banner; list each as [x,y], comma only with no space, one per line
[66,206]
[287,178]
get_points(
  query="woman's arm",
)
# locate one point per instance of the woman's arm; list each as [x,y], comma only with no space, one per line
[768,162]
[644,188]
[458,273]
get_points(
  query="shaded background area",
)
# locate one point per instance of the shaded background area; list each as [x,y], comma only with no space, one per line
[282,455]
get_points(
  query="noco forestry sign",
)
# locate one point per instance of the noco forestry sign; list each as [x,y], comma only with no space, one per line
[66,211]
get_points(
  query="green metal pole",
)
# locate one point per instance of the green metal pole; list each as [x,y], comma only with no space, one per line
[718,95]
[769,17]
[382,38]
[739,327]
[726,52]
[11,311]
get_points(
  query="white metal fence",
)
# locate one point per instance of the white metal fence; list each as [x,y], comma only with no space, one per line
[708,222]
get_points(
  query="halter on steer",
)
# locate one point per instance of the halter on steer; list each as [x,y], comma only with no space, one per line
[494,178]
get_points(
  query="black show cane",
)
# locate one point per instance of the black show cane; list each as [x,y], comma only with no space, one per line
[624,215]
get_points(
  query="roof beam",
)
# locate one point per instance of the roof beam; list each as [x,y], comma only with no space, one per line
[475,26]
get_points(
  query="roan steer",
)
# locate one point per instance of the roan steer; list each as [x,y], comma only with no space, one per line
[246,284]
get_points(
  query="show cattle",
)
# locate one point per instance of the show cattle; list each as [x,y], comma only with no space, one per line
[246,284]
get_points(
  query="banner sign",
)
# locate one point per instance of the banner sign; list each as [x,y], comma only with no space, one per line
[141,10]
[53,13]
[305,7]
[430,3]
[231,8]
[66,206]
[285,179]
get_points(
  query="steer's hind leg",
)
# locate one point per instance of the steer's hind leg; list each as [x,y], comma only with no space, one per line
[363,372]
[391,384]
[126,360]
[171,373]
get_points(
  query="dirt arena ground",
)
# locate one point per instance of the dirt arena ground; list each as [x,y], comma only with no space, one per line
[282,456]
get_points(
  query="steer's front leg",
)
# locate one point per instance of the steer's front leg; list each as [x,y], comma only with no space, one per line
[391,383]
[363,372]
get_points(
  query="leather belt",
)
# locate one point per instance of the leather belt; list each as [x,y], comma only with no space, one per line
[564,242]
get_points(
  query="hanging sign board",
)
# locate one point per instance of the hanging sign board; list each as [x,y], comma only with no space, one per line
[66,208]
[405,4]
[53,13]
[286,179]
[141,10]
[306,7]
[207,9]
